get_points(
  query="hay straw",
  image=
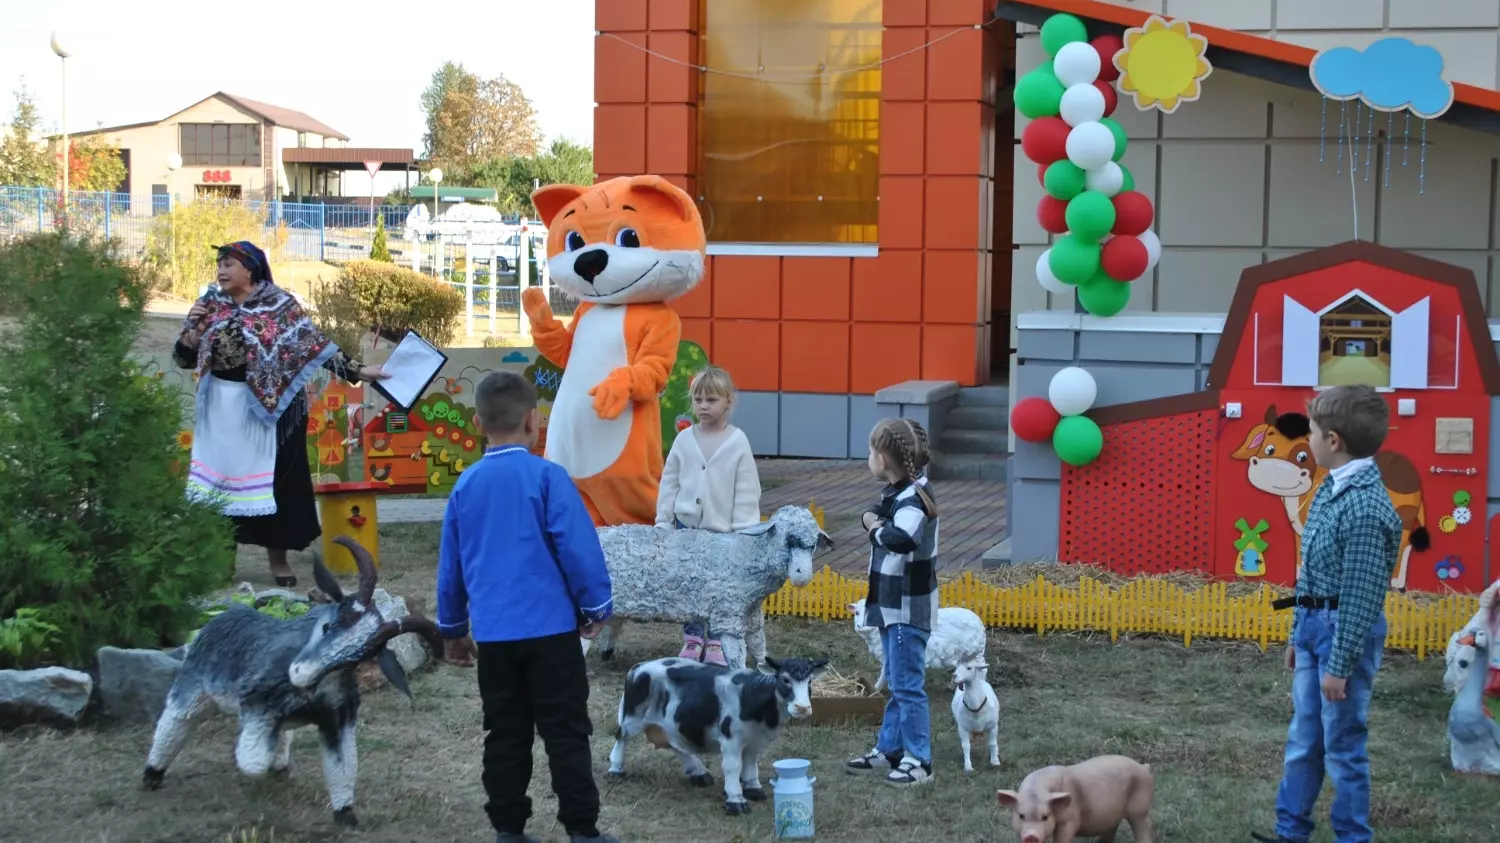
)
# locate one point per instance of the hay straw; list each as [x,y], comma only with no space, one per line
[835,684]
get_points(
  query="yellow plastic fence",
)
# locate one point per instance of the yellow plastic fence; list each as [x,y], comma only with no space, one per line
[1141,606]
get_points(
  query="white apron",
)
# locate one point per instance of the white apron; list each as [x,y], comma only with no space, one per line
[234,455]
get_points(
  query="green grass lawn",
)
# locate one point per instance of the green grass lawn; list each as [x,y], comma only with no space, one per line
[1210,720]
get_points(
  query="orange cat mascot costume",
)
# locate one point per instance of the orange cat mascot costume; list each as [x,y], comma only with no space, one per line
[622,247]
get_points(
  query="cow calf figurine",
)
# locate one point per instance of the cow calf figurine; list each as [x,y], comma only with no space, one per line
[1089,799]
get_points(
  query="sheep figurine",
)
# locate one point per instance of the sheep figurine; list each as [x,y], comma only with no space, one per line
[679,575]
[281,675]
[957,637]
[976,711]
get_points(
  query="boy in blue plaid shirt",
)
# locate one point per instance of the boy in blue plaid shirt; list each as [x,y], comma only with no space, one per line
[1349,548]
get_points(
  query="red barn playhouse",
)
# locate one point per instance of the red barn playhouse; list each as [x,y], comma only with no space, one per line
[1194,481]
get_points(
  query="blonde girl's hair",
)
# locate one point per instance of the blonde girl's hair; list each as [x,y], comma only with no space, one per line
[903,444]
[712,381]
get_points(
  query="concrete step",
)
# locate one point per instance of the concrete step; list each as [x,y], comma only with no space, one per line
[984,396]
[978,417]
[965,441]
[990,467]
[997,556]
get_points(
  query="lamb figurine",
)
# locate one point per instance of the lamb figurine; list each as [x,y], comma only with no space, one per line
[281,675]
[976,710]
[679,575]
[957,637]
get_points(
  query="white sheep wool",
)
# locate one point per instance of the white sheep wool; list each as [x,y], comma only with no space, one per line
[1045,277]
[1108,179]
[1072,391]
[1082,104]
[1076,64]
[1090,145]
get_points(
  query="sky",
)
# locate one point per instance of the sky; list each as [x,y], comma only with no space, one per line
[358,67]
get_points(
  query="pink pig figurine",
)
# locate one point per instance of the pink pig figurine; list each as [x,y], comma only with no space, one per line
[1084,800]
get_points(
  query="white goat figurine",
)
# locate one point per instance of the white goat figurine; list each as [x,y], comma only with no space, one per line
[281,675]
[976,710]
[680,575]
[957,636]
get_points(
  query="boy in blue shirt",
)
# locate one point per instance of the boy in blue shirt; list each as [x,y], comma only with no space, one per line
[520,564]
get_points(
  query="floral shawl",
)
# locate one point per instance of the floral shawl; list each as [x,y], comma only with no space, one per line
[283,348]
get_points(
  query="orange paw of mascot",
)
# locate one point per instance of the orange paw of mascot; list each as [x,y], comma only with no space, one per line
[623,248]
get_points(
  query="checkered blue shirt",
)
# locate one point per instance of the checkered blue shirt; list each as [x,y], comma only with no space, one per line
[903,560]
[1349,549]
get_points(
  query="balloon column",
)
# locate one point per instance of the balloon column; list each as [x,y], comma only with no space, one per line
[1075,437]
[1104,225]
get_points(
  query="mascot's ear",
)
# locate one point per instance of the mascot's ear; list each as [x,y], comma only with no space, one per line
[671,191]
[550,200]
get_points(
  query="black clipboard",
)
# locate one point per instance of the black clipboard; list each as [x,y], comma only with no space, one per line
[380,386]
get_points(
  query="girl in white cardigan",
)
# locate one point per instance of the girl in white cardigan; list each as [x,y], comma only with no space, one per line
[709,482]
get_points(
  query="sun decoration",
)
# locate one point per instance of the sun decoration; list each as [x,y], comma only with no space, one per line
[1163,64]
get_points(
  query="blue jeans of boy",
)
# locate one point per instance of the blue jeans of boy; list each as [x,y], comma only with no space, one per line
[907,726]
[1328,737]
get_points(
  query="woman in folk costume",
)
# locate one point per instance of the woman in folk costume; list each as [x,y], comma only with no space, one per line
[254,349]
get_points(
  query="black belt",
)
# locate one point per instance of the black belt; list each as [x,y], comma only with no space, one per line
[1305,601]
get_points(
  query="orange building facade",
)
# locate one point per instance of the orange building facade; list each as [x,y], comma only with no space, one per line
[855,181]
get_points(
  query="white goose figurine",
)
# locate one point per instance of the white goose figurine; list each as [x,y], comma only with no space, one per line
[1473,735]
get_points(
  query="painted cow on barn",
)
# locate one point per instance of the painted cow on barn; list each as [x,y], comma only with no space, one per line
[1282,464]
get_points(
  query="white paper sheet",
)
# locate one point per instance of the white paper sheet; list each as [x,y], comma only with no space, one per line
[411,366]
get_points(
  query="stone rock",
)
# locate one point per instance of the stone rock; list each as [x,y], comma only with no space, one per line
[133,684]
[409,649]
[53,695]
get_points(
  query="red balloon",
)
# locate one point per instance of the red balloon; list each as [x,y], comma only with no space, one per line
[1033,419]
[1051,212]
[1045,140]
[1106,46]
[1124,258]
[1133,213]
[1111,99]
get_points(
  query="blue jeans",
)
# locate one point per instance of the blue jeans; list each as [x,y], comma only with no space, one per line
[1328,736]
[907,726]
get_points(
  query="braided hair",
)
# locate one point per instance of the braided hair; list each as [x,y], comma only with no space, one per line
[903,444]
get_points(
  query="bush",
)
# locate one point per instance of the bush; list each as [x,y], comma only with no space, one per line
[97,535]
[180,246]
[379,251]
[387,299]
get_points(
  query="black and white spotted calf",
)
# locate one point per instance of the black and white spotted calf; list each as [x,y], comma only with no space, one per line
[700,709]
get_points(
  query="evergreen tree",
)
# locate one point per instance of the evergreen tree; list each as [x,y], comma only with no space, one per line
[96,533]
[379,251]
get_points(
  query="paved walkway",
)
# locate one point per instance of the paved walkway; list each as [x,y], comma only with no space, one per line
[973,511]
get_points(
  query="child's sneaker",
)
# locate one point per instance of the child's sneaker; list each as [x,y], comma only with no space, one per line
[692,648]
[908,773]
[873,761]
[714,654]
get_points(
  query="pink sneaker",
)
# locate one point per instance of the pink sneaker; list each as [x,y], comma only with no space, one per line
[714,654]
[692,648]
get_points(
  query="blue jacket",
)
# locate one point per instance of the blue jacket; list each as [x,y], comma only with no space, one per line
[520,556]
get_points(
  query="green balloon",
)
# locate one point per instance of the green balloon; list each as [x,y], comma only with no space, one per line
[1119,132]
[1102,295]
[1038,94]
[1090,215]
[1063,180]
[1077,440]
[1129,181]
[1060,30]
[1073,259]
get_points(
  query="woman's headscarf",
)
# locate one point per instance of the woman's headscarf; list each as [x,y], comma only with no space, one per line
[283,348]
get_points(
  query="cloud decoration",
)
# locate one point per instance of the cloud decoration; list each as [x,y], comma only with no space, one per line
[515,357]
[1389,75]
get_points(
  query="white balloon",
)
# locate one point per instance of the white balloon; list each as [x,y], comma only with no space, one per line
[1082,104]
[1108,179]
[1090,145]
[1044,275]
[1076,64]
[1072,391]
[1153,248]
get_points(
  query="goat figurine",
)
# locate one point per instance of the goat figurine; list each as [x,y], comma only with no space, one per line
[281,675]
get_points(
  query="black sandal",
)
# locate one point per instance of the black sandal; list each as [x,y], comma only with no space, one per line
[286,582]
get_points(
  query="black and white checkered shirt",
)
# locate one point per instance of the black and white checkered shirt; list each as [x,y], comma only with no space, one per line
[903,560]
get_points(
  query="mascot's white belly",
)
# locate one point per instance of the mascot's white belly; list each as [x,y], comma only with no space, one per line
[577,439]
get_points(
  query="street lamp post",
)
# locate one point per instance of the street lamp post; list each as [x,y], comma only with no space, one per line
[59,47]
[435,175]
[174,163]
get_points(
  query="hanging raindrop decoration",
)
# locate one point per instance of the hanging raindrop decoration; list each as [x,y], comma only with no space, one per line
[1343,118]
[1390,75]
[1323,133]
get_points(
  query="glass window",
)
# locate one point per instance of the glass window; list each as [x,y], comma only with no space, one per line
[220,144]
[789,140]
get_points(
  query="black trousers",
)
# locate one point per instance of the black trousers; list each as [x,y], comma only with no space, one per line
[529,687]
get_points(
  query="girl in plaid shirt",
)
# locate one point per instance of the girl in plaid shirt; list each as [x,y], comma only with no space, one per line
[903,599]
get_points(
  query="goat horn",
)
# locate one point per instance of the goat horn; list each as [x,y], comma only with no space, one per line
[366,565]
[411,623]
